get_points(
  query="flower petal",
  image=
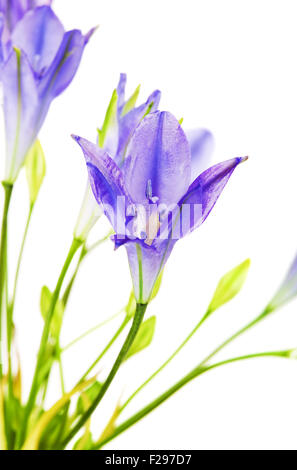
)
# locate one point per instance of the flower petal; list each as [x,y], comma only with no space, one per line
[202,145]
[288,289]
[107,183]
[129,122]
[146,264]
[121,92]
[158,155]
[39,34]
[202,195]
[21,106]
[64,67]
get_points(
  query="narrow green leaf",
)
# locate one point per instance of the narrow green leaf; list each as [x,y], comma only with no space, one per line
[35,170]
[90,395]
[144,336]
[45,302]
[229,286]
[130,104]
[181,121]
[110,119]
[131,306]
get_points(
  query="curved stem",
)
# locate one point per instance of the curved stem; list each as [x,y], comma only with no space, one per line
[35,383]
[3,260]
[165,363]
[107,347]
[137,320]
[20,258]
[234,336]
[186,379]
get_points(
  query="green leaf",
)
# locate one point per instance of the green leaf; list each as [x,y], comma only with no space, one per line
[130,104]
[35,170]
[229,286]
[131,306]
[45,303]
[144,336]
[181,121]
[157,286]
[110,120]
[90,394]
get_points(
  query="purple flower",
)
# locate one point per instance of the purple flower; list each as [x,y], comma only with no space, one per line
[14,10]
[38,61]
[122,118]
[153,201]
[287,291]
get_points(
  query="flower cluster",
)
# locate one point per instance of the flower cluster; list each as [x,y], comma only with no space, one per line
[38,60]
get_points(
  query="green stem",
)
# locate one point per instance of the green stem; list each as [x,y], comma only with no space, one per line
[137,320]
[166,362]
[91,330]
[11,305]
[234,336]
[107,347]
[3,260]
[181,383]
[12,302]
[55,297]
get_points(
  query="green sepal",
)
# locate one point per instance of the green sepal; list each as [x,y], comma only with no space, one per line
[157,285]
[45,303]
[109,120]
[35,170]
[130,104]
[144,336]
[131,306]
[229,286]
[90,395]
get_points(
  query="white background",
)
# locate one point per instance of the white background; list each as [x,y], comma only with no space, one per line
[231,67]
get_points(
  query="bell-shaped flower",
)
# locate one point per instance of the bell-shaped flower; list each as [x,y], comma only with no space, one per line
[14,10]
[121,119]
[38,62]
[152,201]
[287,290]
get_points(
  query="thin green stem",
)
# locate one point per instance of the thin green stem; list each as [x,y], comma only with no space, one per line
[11,304]
[43,343]
[20,257]
[181,383]
[91,330]
[234,336]
[107,347]
[3,260]
[166,362]
[137,320]
[61,371]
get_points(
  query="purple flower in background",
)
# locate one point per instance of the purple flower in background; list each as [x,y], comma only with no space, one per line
[38,61]
[14,10]
[152,201]
[287,290]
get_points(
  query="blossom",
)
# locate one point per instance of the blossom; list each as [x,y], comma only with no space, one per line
[14,10]
[121,119]
[152,201]
[38,61]
[287,290]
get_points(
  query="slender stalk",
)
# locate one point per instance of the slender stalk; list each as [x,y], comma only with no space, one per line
[35,383]
[91,330]
[107,347]
[181,383]
[165,363]
[137,320]
[12,302]
[234,336]
[3,260]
